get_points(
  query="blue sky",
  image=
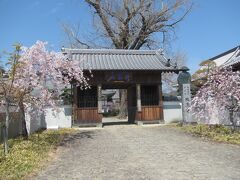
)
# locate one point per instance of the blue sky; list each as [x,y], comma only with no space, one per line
[211,28]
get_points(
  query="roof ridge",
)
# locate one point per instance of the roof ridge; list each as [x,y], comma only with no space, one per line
[233,58]
[224,53]
[111,51]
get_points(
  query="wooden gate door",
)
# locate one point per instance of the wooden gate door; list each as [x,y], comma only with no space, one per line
[86,107]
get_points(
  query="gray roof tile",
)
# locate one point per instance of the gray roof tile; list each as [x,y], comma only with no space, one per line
[235,59]
[113,59]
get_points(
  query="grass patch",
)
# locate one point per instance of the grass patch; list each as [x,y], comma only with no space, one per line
[215,132]
[27,155]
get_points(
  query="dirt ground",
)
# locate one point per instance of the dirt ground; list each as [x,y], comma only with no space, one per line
[122,152]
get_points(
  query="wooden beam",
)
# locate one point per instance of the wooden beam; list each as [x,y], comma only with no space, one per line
[75,96]
[75,103]
[138,92]
[99,89]
[160,95]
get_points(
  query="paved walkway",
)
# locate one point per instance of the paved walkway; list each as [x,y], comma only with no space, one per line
[133,152]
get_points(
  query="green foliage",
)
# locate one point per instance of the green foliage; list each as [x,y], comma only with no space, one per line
[199,78]
[27,155]
[216,132]
[67,96]
[203,71]
[208,63]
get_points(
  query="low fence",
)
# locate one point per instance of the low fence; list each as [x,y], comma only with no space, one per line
[15,125]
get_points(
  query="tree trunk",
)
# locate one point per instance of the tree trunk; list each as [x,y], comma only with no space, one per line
[5,128]
[23,120]
[232,120]
[123,104]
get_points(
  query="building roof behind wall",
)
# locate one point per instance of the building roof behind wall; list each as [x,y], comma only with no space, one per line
[224,57]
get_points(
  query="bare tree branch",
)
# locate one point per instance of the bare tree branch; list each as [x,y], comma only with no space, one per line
[129,23]
[73,37]
[96,5]
[181,18]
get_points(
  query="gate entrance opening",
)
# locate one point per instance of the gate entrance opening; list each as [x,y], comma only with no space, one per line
[114,101]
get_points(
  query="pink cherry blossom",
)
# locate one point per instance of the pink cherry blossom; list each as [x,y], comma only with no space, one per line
[221,92]
[45,74]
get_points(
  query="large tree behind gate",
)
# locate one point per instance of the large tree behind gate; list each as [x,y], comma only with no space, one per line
[132,24]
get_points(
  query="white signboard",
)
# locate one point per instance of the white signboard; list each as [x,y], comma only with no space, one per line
[186,103]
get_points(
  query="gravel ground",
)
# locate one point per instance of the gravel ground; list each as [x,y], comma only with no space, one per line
[141,152]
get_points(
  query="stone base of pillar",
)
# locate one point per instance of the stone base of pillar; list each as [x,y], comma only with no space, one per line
[150,122]
[100,125]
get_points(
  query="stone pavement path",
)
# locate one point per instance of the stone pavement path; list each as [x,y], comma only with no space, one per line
[127,152]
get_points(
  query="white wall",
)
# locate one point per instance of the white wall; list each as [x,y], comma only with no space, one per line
[50,119]
[60,119]
[172,111]
[36,120]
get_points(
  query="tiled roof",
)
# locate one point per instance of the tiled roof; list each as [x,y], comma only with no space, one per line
[225,53]
[113,59]
[235,59]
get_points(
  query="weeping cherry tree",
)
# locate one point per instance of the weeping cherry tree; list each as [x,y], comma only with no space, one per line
[221,92]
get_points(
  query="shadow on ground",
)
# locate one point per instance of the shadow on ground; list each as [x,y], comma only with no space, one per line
[112,121]
[115,123]
[71,139]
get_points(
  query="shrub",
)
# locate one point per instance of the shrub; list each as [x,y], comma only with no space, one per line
[215,132]
[26,155]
